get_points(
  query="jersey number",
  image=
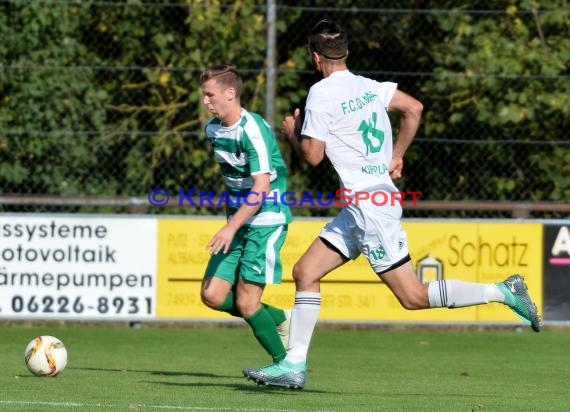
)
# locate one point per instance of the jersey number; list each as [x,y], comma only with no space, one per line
[373,138]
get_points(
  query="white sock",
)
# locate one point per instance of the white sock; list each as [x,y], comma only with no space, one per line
[458,294]
[303,322]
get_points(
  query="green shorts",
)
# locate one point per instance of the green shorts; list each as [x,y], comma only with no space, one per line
[254,255]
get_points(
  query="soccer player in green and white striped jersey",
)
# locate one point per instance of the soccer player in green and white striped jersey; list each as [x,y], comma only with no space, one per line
[245,253]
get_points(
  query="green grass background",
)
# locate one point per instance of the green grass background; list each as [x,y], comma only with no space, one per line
[199,369]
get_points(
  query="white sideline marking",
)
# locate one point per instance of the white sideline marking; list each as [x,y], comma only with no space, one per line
[142,406]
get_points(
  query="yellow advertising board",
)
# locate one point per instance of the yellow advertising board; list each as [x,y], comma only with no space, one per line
[473,251]
[485,252]
[181,261]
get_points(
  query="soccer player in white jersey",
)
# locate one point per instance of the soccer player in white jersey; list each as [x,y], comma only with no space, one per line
[346,119]
[245,252]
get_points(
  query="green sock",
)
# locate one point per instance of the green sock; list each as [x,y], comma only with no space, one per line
[229,305]
[277,314]
[264,330]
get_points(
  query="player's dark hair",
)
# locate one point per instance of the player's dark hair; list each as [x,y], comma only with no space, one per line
[225,75]
[329,40]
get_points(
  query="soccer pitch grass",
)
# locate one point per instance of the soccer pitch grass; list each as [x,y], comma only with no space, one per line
[199,369]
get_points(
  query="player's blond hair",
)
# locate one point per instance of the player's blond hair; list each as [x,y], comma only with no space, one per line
[225,75]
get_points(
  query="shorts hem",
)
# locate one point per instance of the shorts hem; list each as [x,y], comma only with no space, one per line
[396,265]
[332,247]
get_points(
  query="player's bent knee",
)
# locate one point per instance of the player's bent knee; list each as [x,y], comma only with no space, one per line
[212,300]
[246,307]
[415,301]
[410,305]
[303,277]
[411,295]
[297,272]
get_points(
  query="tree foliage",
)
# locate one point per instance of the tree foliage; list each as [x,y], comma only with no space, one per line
[42,145]
[103,98]
[503,78]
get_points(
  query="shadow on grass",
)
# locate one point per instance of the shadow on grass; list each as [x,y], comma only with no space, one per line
[160,373]
[251,388]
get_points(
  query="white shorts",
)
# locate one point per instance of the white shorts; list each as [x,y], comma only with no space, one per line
[375,231]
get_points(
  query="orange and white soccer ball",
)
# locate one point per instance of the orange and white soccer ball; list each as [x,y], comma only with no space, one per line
[46,356]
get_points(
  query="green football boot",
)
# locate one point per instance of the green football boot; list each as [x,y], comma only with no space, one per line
[283,374]
[518,299]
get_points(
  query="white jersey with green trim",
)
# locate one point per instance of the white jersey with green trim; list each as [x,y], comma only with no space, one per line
[349,113]
[244,149]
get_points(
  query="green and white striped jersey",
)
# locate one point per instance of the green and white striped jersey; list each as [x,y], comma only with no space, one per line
[245,149]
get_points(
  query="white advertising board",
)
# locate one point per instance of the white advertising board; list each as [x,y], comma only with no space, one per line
[81,267]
